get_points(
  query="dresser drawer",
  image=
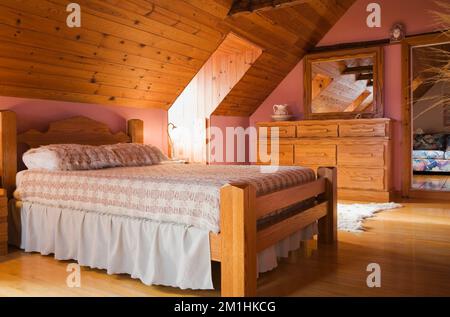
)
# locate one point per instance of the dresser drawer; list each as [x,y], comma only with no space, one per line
[285,154]
[361,155]
[317,131]
[315,155]
[361,178]
[283,131]
[362,130]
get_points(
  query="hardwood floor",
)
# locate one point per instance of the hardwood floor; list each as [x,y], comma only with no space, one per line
[411,244]
[431,182]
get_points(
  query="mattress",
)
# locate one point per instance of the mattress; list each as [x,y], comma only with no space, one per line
[187,194]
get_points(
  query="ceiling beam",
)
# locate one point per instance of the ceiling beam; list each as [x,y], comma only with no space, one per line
[249,6]
[358,101]
[319,84]
[364,77]
[363,108]
[358,70]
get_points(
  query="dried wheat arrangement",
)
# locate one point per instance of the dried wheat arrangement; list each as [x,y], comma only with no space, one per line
[438,56]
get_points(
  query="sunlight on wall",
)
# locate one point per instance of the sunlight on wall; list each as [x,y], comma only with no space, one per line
[204,93]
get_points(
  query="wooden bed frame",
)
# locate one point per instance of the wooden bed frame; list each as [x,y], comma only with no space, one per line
[239,240]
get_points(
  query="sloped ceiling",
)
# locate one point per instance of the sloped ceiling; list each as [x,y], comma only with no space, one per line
[142,53]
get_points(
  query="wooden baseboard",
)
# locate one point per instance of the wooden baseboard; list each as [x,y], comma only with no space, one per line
[364,195]
[426,194]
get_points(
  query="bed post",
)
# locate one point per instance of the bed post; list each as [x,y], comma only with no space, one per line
[135,128]
[328,224]
[8,151]
[238,231]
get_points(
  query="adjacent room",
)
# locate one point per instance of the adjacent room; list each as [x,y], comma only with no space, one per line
[431,110]
[234,148]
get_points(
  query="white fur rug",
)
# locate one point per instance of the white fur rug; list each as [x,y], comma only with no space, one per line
[351,216]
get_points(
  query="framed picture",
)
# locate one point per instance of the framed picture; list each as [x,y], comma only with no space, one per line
[397,33]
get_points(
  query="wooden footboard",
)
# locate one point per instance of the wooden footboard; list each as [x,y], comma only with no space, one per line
[239,241]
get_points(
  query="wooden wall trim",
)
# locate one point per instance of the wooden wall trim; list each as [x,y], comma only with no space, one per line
[367,44]
[135,128]
[8,151]
[407,115]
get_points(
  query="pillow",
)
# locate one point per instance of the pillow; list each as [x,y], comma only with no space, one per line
[429,141]
[70,157]
[133,154]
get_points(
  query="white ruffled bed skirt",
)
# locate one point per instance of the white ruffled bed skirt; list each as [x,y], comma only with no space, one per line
[156,253]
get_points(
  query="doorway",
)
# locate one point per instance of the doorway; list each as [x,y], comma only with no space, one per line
[427,116]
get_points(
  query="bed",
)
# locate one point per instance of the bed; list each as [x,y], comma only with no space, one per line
[431,153]
[244,214]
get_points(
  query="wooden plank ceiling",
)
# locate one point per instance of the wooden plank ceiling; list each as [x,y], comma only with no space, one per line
[142,53]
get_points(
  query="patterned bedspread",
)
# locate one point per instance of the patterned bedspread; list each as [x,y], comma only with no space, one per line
[428,154]
[186,194]
[431,165]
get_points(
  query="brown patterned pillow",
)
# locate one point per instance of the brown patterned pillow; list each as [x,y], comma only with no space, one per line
[132,154]
[429,141]
[70,157]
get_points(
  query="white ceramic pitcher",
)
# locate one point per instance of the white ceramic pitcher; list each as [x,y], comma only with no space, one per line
[280,110]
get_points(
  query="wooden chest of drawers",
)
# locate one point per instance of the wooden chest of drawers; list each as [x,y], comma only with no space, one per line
[361,149]
[3,223]
[324,154]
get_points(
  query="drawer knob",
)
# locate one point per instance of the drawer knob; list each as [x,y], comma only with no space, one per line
[316,154]
[362,154]
[363,130]
[319,130]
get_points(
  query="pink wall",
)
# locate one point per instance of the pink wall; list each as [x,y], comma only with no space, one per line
[290,91]
[414,14]
[37,114]
[352,27]
[222,122]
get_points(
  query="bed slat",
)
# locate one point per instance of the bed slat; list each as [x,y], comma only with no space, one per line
[285,198]
[283,229]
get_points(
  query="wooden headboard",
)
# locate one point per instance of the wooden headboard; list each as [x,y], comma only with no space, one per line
[82,130]
[8,151]
[76,130]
